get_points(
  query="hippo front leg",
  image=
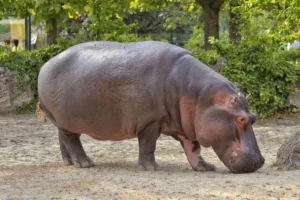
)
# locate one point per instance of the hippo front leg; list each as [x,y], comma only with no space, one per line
[72,151]
[147,145]
[192,152]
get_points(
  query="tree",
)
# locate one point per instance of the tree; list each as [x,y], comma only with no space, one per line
[175,19]
[276,21]
[17,8]
[50,11]
[107,18]
[211,9]
[53,12]
[5,8]
[234,23]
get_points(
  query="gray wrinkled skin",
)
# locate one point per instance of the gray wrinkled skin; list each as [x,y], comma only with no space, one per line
[117,91]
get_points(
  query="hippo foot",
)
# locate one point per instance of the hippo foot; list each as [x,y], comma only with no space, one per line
[203,166]
[148,166]
[79,162]
[72,151]
[82,162]
[67,162]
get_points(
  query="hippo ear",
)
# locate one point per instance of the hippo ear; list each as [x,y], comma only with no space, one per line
[234,101]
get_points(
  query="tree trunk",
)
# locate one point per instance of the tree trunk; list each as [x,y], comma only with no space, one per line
[211,9]
[234,24]
[51,25]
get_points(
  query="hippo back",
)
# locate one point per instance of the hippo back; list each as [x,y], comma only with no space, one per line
[100,88]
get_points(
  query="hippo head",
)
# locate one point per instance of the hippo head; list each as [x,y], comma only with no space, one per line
[226,126]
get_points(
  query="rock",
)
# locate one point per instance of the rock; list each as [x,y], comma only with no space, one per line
[10,95]
[294,99]
[288,155]
[220,65]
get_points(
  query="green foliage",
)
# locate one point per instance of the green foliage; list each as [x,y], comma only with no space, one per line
[45,54]
[27,107]
[278,21]
[144,5]
[108,18]
[24,63]
[19,8]
[4,49]
[263,72]
[181,14]
[196,46]
[130,38]
[28,64]
[196,40]
[266,74]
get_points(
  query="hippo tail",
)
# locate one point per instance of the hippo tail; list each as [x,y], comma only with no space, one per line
[40,113]
[43,113]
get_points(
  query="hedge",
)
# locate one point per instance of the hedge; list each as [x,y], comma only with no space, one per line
[263,72]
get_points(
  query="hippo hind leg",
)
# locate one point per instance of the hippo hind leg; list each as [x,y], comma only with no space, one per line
[72,151]
[147,145]
[70,146]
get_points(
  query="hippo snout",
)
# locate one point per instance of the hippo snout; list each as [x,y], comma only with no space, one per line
[249,164]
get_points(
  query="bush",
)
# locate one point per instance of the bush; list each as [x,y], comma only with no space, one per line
[28,64]
[262,71]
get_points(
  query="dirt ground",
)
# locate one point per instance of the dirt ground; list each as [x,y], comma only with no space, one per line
[31,167]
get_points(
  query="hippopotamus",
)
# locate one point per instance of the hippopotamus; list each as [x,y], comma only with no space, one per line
[117,91]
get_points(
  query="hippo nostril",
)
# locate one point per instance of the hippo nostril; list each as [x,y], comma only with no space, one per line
[258,162]
[254,163]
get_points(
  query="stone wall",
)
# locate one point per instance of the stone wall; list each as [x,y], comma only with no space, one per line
[10,96]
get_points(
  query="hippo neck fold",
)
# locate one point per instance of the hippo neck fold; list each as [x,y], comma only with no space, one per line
[191,85]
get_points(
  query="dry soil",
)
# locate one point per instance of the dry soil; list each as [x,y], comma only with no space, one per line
[31,167]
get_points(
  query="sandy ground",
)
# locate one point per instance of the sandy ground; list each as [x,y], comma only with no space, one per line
[31,168]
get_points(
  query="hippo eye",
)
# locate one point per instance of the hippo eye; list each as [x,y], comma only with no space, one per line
[242,122]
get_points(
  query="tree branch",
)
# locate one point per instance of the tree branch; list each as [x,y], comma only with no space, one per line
[217,4]
[214,4]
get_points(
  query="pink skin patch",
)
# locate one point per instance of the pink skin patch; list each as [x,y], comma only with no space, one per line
[193,157]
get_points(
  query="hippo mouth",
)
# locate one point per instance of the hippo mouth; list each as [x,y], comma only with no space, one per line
[246,165]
